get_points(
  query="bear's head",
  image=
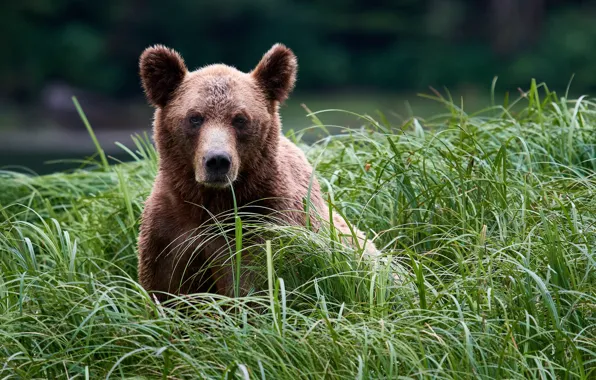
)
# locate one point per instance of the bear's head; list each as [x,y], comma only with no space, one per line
[217,122]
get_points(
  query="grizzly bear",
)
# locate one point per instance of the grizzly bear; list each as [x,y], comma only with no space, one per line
[217,131]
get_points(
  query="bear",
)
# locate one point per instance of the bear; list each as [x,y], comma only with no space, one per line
[217,131]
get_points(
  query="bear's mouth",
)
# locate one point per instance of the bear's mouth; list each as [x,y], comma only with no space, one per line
[216,181]
[216,184]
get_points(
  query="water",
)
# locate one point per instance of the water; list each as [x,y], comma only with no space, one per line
[46,163]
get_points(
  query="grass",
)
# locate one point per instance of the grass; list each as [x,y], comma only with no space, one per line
[487,220]
[396,107]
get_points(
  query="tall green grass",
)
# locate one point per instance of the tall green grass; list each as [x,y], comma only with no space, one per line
[486,224]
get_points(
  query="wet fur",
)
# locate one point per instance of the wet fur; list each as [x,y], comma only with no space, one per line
[272,173]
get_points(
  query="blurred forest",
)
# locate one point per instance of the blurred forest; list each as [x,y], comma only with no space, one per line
[357,55]
[391,45]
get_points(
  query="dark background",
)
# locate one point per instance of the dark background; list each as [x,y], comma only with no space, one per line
[357,55]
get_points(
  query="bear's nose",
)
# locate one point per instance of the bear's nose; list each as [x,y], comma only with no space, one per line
[218,163]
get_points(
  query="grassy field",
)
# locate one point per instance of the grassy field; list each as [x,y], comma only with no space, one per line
[486,223]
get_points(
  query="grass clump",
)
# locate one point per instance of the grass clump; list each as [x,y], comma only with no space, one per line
[488,221]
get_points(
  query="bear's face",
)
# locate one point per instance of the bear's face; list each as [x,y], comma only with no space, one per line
[217,118]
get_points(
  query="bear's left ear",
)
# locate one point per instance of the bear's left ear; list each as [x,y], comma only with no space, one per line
[162,71]
[276,73]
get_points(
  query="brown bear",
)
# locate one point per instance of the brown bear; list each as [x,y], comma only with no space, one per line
[218,135]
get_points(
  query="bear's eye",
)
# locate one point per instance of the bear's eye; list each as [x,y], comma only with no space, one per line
[196,120]
[239,121]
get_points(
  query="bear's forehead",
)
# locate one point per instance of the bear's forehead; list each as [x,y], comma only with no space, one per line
[218,80]
[219,85]
[217,90]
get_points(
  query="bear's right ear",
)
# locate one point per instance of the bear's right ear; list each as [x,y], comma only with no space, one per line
[162,70]
[276,73]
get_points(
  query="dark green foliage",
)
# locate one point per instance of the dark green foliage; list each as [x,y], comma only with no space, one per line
[391,45]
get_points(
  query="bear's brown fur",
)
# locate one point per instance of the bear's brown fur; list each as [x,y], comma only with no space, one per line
[217,111]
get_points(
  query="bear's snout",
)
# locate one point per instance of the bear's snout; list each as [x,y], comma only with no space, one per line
[216,159]
[217,165]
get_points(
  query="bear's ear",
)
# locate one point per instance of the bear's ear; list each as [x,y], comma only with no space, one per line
[276,73]
[162,70]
